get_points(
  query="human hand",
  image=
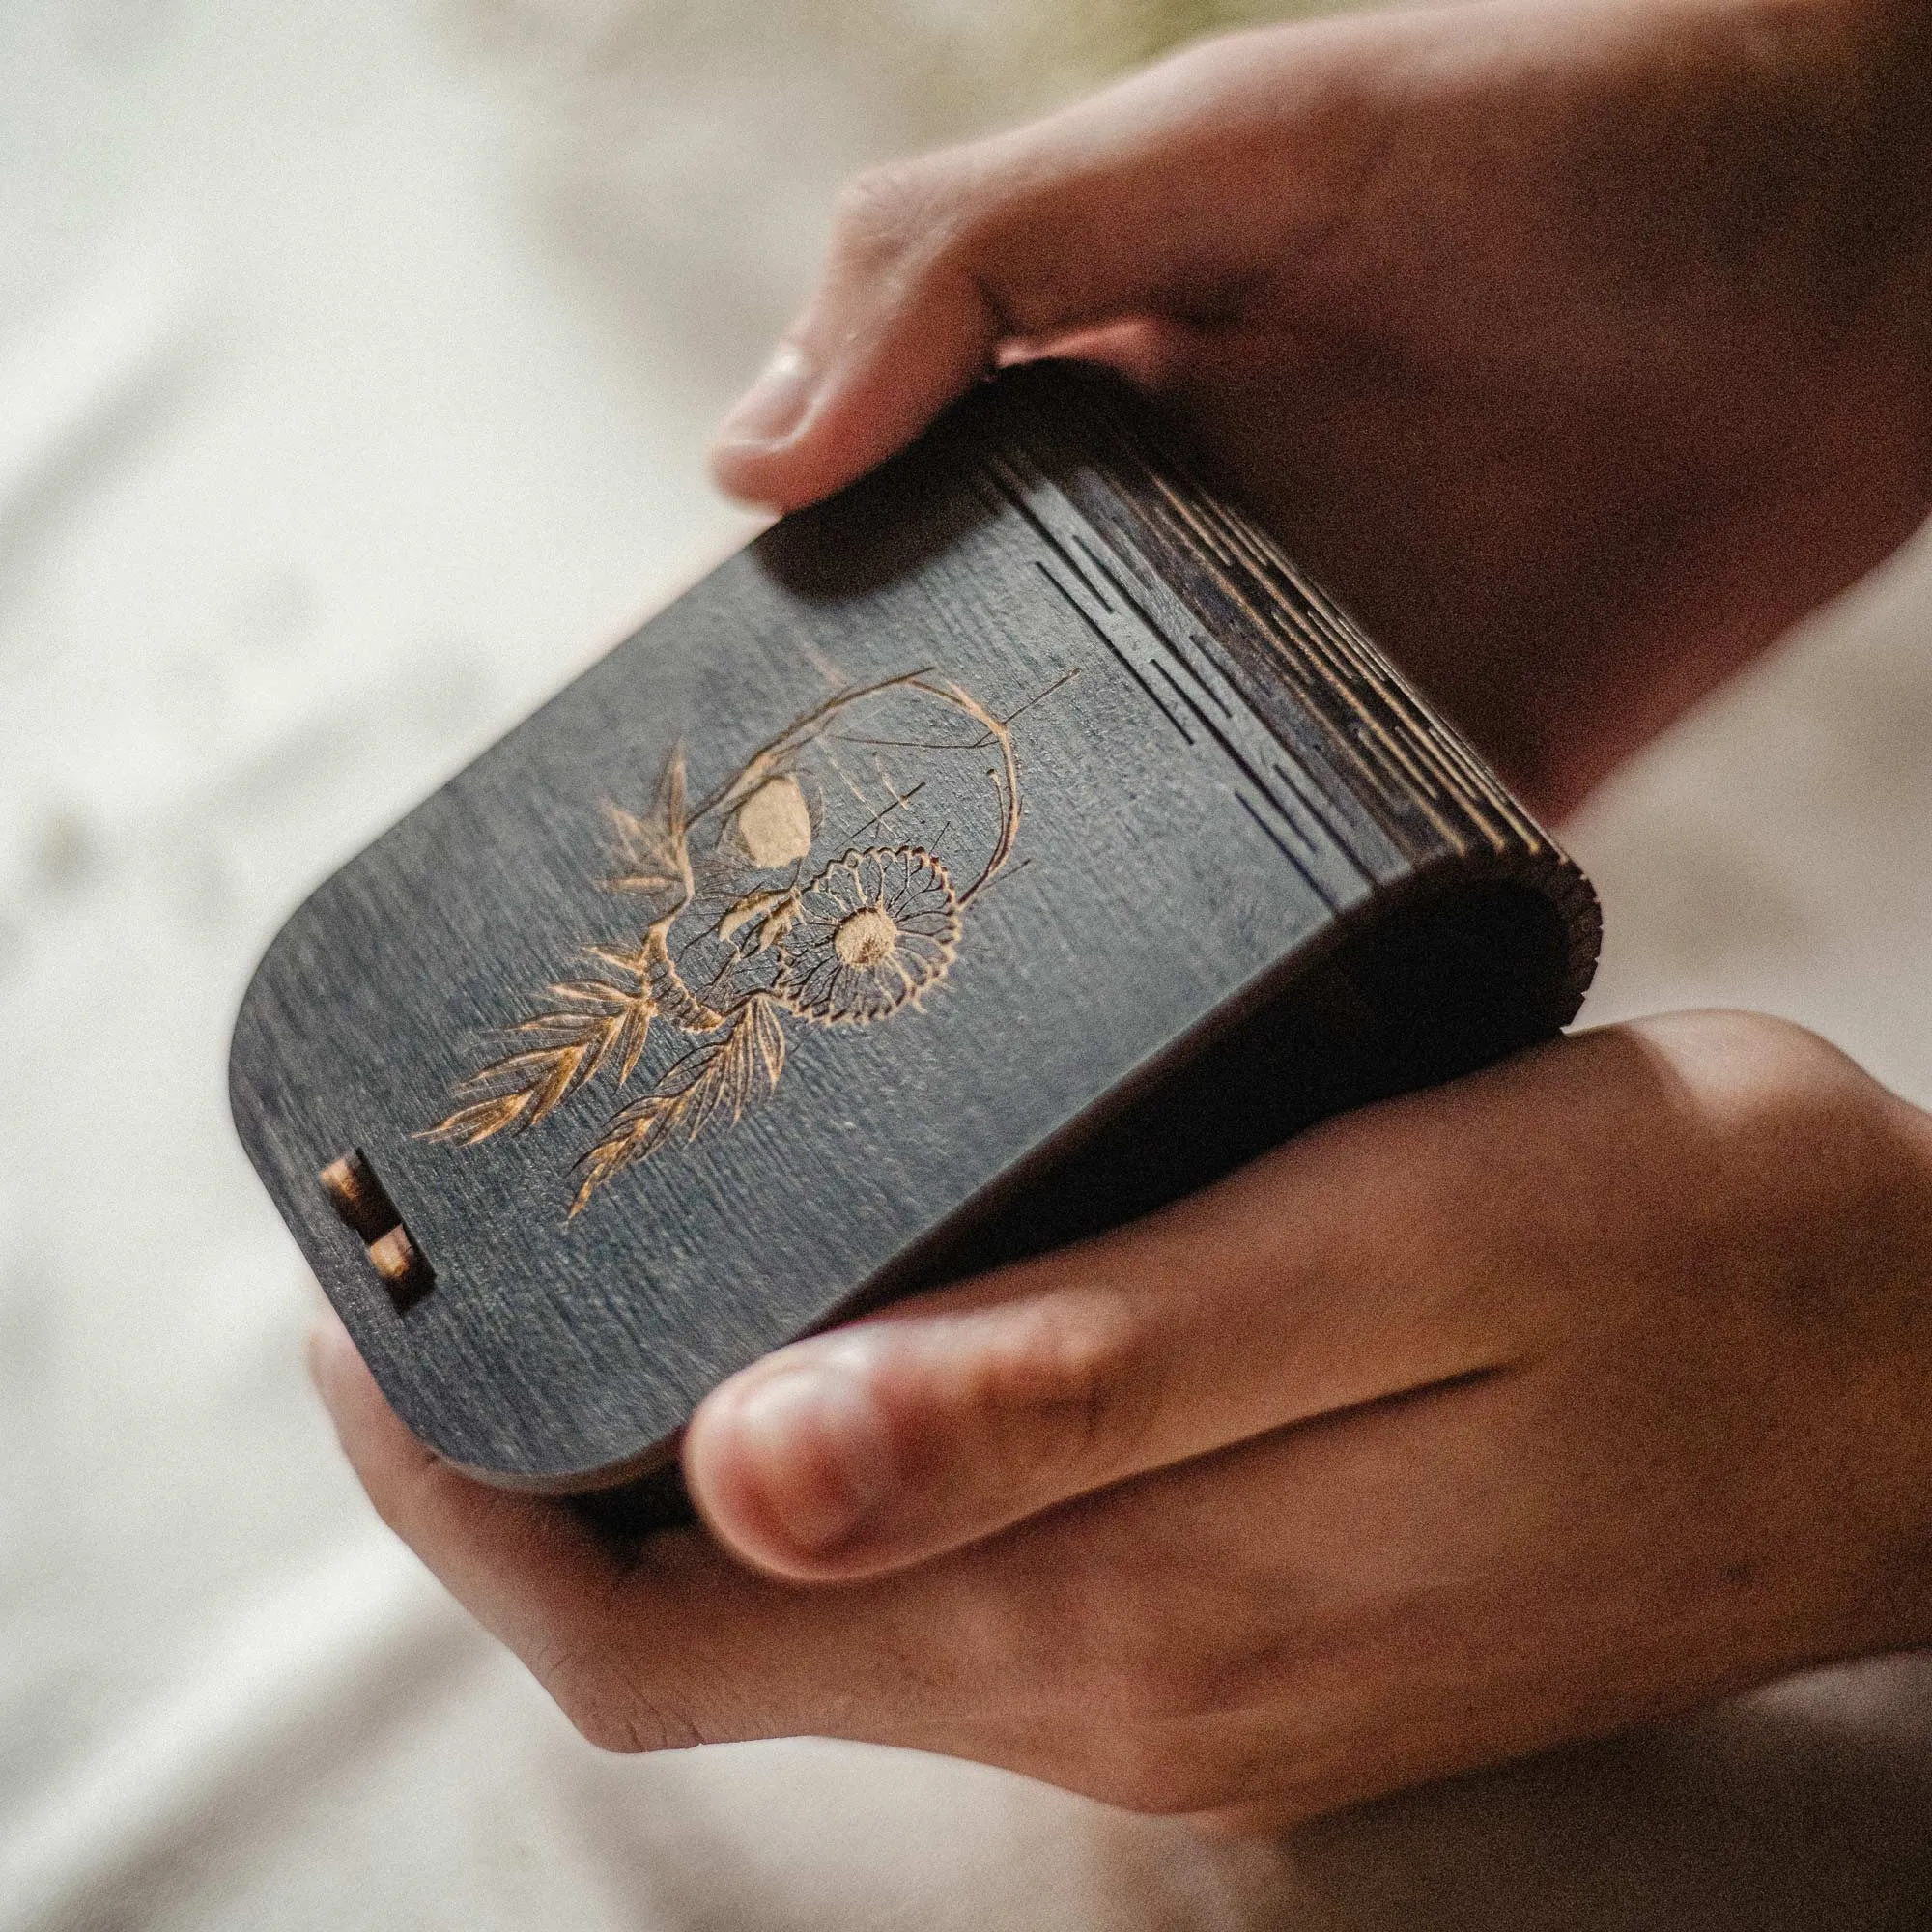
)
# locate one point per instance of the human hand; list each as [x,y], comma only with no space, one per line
[1579,348]
[1556,1399]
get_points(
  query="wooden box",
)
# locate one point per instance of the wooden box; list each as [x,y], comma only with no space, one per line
[981,858]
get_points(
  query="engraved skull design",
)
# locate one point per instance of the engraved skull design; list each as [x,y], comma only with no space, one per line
[811,886]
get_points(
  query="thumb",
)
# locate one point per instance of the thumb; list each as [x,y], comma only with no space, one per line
[1284,1293]
[1159,199]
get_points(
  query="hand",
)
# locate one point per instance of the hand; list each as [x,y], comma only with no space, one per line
[1556,1399]
[1579,348]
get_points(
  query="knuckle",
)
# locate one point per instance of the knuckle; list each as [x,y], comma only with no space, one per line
[1805,1175]
[890,213]
[1140,1769]
[609,1711]
[1152,1678]
[1144,1662]
[1199,1767]
[935,222]
[1782,1091]
[1782,1050]
[1769,1059]
[1086,1376]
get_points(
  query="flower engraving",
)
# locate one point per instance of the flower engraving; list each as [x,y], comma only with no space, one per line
[750,920]
[875,930]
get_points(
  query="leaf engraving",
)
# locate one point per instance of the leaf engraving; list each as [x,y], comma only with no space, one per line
[713,1084]
[599,1022]
[771,909]
[654,853]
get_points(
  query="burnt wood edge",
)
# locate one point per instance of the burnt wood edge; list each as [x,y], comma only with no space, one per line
[1137,479]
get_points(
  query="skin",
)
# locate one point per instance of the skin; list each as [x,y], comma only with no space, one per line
[1582,349]
[1579,349]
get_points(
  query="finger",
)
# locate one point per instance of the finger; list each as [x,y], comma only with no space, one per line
[1166,195]
[1128,1646]
[525,1569]
[1359,1261]
[678,1644]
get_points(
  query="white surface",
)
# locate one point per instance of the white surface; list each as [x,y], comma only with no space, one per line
[356,361]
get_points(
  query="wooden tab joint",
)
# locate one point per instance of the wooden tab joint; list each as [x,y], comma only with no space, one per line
[363,1203]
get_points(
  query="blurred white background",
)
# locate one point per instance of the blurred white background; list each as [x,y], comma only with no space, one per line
[357,358]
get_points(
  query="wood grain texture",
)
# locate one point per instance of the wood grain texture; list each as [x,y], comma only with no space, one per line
[978,859]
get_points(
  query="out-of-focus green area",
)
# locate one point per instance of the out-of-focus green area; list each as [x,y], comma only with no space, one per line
[941,68]
[1112,34]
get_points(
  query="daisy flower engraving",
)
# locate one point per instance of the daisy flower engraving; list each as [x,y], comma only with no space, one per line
[873,930]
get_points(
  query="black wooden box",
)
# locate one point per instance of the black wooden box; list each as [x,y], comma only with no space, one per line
[981,858]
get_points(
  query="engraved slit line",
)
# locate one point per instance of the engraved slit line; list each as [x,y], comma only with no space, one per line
[1268,556]
[1005,478]
[1227,744]
[1478,795]
[1243,763]
[1341,646]
[1208,724]
[1359,682]
[1122,524]
[1339,688]
[1343,687]
[1297,784]
[1048,536]
[1275,838]
[1159,632]
[1261,785]
[1346,673]
[1007,482]
[1169,650]
[1200,644]
[1315,812]
[1127,664]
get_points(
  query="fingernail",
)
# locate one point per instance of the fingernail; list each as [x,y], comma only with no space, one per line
[774,404]
[816,1448]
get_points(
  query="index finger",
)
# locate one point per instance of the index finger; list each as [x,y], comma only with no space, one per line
[1162,197]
